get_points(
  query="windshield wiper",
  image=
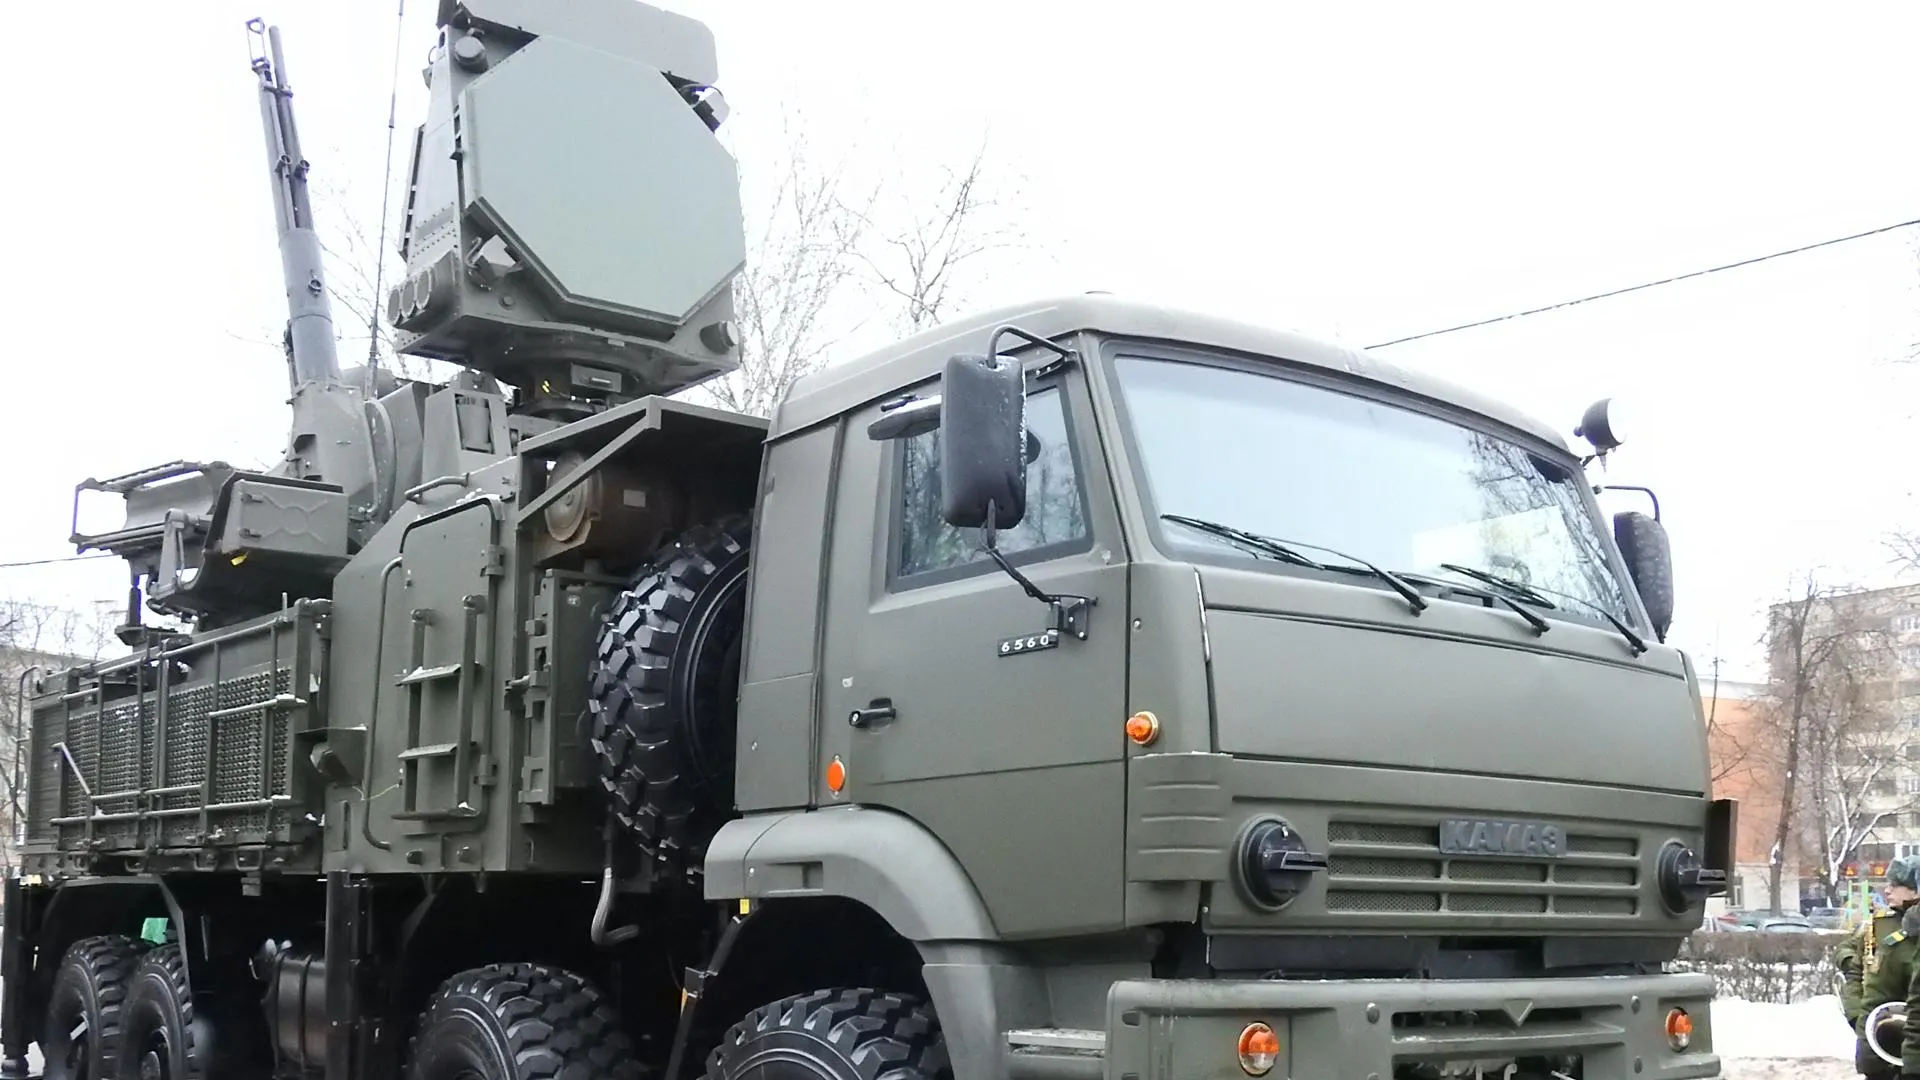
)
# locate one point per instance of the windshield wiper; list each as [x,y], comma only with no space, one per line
[1531,594]
[1250,541]
[1284,551]
[1540,625]
[1517,588]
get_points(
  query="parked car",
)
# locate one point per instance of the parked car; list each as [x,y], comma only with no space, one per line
[1786,924]
[1739,921]
[1827,918]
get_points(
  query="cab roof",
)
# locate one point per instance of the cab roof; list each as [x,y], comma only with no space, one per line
[884,372]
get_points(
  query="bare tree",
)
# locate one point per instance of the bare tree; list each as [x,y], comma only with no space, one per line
[1905,547]
[37,636]
[1729,747]
[919,260]
[825,238]
[1828,719]
[800,264]
[1854,782]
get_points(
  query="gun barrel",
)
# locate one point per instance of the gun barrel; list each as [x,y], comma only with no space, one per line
[311,355]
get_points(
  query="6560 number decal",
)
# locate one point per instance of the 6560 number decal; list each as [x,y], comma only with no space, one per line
[1026,643]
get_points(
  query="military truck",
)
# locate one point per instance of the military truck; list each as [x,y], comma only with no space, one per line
[1081,689]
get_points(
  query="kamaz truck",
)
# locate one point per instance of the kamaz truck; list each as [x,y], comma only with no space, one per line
[1083,689]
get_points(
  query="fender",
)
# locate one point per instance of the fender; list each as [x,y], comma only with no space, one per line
[898,869]
[882,859]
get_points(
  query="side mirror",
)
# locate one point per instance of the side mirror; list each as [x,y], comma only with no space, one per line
[1643,542]
[983,442]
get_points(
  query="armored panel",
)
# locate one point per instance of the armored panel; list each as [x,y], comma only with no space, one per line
[446,693]
[560,641]
[190,748]
[274,517]
[649,228]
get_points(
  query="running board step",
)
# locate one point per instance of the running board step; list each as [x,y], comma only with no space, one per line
[1056,1054]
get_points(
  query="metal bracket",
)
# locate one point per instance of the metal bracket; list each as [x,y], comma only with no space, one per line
[1071,614]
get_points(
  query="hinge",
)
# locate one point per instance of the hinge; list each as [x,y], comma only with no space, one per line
[493,561]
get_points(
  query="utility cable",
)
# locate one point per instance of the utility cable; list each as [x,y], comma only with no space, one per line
[60,559]
[1649,285]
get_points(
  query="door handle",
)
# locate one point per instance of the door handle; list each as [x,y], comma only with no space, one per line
[878,713]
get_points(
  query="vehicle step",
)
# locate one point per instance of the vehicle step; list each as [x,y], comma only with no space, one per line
[1056,1054]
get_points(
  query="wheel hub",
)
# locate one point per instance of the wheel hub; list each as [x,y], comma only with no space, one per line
[151,1067]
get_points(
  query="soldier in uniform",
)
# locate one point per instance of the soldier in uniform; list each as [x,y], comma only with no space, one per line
[1880,964]
[1851,956]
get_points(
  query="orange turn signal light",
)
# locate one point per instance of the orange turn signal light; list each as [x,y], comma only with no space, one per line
[836,775]
[1679,1029]
[1259,1049]
[1143,727]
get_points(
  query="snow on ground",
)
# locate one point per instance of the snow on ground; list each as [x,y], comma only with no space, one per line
[1807,1040]
[1812,1028]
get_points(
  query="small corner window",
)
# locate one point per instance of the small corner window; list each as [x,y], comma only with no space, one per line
[1056,518]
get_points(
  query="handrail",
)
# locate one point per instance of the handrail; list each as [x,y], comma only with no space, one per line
[19,734]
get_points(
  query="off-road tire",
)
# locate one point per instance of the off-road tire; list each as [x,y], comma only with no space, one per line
[837,1035]
[90,986]
[664,699]
[520,1022]
[160,1021]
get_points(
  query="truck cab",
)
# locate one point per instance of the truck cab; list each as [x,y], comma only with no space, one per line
[1280,672]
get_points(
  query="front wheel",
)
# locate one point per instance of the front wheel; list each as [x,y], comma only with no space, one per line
[520,1022]
[835,1035]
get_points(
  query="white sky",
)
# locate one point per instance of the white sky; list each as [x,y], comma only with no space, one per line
[1356,170]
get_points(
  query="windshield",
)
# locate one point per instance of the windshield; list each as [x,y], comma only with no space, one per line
[1401,489]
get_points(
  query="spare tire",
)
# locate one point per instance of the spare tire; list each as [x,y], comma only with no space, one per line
[665,694]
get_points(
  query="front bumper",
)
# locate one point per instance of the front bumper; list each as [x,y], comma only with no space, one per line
[1380,1030]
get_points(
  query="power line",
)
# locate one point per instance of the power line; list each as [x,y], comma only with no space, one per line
[1649,285]
[61,559]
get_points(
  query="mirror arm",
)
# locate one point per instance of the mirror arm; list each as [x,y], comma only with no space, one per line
[1070,613]
[904,418]
[1647,491]
[993,343]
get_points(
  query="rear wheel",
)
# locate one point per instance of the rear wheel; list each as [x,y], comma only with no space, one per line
[520,1022]
[835,1035]
[84,1011]
[163,1037]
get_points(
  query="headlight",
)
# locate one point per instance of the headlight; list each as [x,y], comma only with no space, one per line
[1273,864]
[1683,881]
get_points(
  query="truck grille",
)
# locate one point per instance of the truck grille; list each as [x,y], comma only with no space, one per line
[1397,868]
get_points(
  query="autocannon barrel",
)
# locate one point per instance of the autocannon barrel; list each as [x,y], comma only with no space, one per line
[310,348]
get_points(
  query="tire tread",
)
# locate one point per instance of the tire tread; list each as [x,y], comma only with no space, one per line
[879,1034]
[169,962]
[109,961]
[630,707]
[558,1025]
